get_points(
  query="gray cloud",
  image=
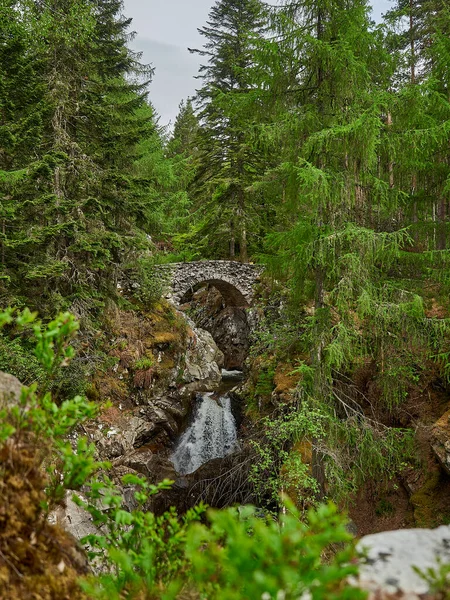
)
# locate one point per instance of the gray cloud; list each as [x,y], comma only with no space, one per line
[173,80]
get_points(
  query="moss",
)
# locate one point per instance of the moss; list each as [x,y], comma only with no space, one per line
[110,387]
[167,364]
[285,380]
[92,393]
[424,501]
[37,560]
[164,338]
[149,345]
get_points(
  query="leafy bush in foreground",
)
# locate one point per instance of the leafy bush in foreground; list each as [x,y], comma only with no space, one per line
[37,465]
[239,553]
[236,553]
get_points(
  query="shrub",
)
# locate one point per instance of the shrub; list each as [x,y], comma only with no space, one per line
[144,363]
[240,554]
[142,555]
[237,553]
[37,465]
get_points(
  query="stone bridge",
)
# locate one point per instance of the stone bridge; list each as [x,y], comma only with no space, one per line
[234,280]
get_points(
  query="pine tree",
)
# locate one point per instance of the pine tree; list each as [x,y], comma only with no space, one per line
[229,160]
[339,238]
[80,210]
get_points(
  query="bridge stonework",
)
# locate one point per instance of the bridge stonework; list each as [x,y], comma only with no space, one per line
[234,280]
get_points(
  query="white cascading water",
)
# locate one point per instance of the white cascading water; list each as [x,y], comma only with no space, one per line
[212,434]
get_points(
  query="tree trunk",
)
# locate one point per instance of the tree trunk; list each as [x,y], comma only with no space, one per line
[232,241]
[391,163]
[413,50]
[317,463]
[244,251]
[441,210]
[318,470]
[243,228]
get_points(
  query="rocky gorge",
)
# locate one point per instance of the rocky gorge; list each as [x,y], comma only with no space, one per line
[161,363]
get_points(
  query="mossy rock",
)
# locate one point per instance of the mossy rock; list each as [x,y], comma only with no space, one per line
[424,501]
[167,364]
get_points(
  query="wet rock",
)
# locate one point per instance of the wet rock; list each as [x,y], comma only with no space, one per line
[140,461]
[231,332]
[392,556]
[228,325]
[440,441]
[128,432]
[162,418]
[203,360]
[112,448]
[140,431]
[154,467]
[172,406]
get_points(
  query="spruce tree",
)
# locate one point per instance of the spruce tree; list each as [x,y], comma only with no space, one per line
[21,122]
[228,158]
[185,130]
[339,238]
[80,210]
[417,26]
[420,116]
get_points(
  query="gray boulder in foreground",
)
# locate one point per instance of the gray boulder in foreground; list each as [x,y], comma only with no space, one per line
[391,556]
[10,389]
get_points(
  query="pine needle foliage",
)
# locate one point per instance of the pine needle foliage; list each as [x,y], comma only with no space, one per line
[228,213]
[78,198]
[342,231]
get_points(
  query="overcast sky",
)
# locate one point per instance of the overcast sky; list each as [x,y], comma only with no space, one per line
[164,30]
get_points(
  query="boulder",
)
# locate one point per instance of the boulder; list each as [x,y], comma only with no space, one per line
[139,431]
[392,556]
[10,389]
[172,406]
[203,360]
[73,518]
[155,467]
[126,432]
[230,326]
[231,331]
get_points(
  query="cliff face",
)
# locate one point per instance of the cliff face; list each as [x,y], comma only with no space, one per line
[229,325]
[158,361]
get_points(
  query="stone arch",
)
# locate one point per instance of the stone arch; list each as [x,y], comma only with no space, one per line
[235,281]
[231,294]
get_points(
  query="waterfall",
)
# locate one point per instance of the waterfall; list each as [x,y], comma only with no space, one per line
[212,434]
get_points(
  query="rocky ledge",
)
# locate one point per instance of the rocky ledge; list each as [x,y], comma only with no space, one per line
[161,363]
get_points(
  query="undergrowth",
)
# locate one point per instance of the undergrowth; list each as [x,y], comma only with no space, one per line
[232,554]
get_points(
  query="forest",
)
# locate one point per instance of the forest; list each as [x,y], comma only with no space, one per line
[315,151]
